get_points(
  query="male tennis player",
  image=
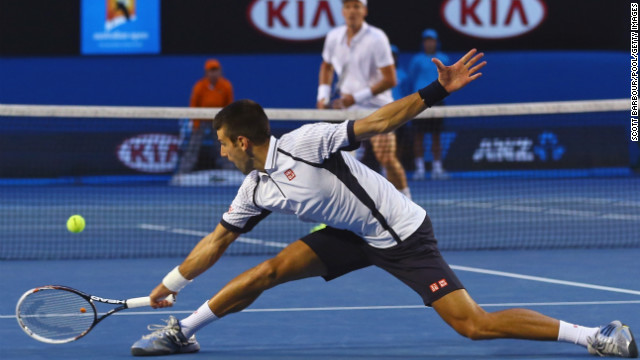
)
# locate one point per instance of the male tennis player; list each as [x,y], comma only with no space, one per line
[369,223]
[361,56]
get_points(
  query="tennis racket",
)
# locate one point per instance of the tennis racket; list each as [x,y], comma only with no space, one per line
[58,314]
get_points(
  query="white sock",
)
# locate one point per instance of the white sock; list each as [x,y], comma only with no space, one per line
[406,192]
[575,333]
[436,165]
[419,164]
[197,320]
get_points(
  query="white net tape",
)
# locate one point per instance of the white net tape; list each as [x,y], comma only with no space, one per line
[464,111]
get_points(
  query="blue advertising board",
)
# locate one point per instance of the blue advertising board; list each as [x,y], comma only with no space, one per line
[120,27]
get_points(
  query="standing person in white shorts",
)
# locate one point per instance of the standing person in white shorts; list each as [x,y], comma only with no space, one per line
[361,56]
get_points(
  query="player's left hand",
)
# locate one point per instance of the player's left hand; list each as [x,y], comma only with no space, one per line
[458,75]
[159,297]
[344,102]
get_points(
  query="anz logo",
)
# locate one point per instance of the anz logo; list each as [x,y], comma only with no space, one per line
[520,150]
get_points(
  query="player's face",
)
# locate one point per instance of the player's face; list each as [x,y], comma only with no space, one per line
[236,152]
[430,45]
[354,13]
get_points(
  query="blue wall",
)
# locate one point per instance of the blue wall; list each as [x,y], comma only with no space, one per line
[291,80]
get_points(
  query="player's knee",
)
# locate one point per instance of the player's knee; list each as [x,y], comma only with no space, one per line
[387,160]
[266,274]
[472,327]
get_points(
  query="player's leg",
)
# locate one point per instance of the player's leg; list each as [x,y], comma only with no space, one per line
[384,149]
[462,313]
[296,261]
[418,153]
[465,316]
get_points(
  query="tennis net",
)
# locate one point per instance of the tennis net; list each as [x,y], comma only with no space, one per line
[520,176]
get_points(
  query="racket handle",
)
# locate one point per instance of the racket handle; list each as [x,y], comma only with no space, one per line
[145,301]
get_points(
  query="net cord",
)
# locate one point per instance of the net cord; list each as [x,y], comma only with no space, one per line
[461,111]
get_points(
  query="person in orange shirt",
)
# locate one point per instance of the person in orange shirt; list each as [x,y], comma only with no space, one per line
[213,90]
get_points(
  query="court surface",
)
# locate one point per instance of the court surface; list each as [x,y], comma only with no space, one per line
[365,315]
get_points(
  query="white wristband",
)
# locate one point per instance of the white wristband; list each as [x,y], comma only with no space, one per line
[174,281]
[362,95]
[324,93]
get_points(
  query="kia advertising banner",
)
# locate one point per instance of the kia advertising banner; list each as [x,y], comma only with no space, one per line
[292,26]
[300,25]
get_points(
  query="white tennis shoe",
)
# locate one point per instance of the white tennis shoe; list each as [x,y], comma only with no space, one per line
[614,339]
[165,340]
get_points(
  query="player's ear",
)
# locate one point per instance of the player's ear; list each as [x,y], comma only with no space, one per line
[243,142]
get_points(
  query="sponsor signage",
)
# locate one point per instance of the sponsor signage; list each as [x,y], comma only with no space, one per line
[150,153]
[521,149]
[120,26]
[493,19]
[295,20]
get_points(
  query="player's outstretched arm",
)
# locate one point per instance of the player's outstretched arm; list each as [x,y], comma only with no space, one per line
[202,257]
[394,115]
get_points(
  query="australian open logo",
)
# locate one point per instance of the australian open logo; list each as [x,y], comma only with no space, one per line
[548,147]
[119,12]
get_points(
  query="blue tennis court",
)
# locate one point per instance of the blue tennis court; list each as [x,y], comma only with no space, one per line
[564,267]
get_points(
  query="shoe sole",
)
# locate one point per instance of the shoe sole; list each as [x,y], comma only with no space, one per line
[143,352]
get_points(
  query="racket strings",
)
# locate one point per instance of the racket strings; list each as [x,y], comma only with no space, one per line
[56,314]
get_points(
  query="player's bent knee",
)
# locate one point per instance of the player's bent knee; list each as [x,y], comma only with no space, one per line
[266,274]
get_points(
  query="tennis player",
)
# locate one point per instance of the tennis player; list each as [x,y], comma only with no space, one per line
[361,56]
[369,223]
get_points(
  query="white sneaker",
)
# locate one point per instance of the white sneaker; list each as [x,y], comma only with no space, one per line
[419,175]
[614,339]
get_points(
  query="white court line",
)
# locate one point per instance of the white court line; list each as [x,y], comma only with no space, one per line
[241,239]
[455,267]
[383,307]
[544,279]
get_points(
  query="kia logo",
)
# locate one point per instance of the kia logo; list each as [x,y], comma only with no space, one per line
[150,153]
[494,19]
[296,20]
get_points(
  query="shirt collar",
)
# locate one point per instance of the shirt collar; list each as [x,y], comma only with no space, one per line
[358,35]
[270,162]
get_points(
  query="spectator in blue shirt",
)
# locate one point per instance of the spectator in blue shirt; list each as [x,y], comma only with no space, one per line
[423,71]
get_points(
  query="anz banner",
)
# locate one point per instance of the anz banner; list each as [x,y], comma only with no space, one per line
[120,26]
[537,148]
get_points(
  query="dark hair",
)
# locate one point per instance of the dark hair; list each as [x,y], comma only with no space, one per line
[244,118]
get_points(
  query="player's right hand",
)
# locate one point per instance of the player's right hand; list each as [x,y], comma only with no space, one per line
[322,105]
[158,296]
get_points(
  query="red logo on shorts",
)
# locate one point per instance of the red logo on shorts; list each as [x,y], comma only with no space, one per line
[230,208]
[434,287]
[290,174]
[443,283]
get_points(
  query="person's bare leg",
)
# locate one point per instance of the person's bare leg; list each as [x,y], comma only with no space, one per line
[466,317]
[384,148]
[296,261]
[436,147]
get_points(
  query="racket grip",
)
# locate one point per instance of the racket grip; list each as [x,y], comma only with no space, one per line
[145,301]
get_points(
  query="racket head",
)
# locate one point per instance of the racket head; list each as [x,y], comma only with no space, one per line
[53,314]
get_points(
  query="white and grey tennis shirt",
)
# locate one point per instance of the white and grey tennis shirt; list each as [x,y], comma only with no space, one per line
[359,62]
[307,174]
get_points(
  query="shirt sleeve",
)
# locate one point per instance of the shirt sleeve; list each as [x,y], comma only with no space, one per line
[383,56]
[243,214]
[316,142]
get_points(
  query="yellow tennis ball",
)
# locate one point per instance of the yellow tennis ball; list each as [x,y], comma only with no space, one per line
[75,224]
